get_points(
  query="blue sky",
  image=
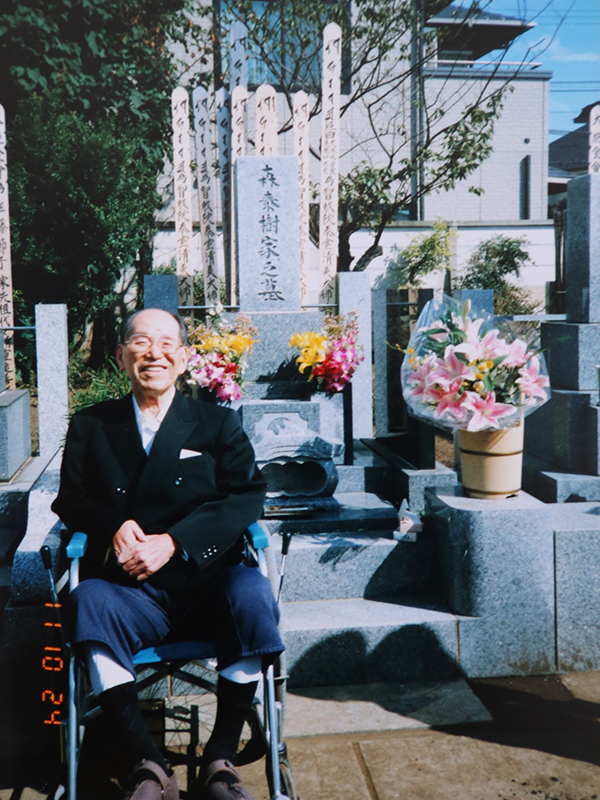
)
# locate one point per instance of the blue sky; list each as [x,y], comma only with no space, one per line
[566,40]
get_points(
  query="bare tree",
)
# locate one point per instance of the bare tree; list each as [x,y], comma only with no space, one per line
[414,129]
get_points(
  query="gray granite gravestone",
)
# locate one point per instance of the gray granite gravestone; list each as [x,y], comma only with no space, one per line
[562,438]
[15,434]
[294,434]
[582,265]
[52,358]
[482,300]
[267,233]
[160,291]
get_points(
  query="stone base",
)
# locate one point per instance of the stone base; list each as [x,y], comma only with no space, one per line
[551,486]
[15,432]
[577,555]
[295,428]
[298,506]
[496,570]
[272,358]
[360,512]
[305,478]
[411,483]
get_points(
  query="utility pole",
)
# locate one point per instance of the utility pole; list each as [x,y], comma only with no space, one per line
[416,108]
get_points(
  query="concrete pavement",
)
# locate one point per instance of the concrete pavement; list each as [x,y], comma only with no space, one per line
[543,744]
[532,738]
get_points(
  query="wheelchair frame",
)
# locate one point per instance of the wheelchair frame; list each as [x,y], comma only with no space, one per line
[170,660]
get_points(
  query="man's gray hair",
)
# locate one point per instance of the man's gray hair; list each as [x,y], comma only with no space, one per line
[127,329]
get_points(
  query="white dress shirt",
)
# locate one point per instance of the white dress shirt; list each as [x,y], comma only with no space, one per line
[148,426]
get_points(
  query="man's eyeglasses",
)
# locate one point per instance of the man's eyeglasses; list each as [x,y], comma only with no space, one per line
[141,344]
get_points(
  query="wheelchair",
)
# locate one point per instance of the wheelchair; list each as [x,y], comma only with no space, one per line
[192,663]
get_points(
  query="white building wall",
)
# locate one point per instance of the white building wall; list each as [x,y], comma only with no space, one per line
[521,131]
[539,238]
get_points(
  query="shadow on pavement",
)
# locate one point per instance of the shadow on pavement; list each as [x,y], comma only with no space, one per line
[538,713]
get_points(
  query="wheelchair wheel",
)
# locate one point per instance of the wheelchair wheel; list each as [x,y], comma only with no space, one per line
[286,779]
[189,713]
[288,787]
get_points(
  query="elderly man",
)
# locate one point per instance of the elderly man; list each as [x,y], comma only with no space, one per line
[164,486]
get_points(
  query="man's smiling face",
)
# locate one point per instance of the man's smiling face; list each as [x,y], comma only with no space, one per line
[153,356]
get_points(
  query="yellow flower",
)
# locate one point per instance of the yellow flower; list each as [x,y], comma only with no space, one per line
[312,348]
[209,342]
[238,343]
[478,386]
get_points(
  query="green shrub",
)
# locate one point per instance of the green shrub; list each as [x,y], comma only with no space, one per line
[90,386]
[426,253]
[490,265]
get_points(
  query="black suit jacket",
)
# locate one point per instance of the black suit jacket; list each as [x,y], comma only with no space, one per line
[205,501]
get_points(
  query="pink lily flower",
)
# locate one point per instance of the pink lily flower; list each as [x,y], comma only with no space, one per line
[517,354]
[452,368]
[449,403]
[437,325]
[420,379]
[532,382]
[486,349]
[469,326]
[487,413]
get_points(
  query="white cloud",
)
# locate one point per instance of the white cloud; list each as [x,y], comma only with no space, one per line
[555,105]
[559,52]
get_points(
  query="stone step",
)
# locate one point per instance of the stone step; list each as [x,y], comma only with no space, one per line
[355,641]
[9,541]
[5,573]
[342,565]
[368,473]
[560,487]
[357,512]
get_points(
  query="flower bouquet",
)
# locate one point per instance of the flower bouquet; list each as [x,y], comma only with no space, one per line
[460,371]
[331,356]
[217,355]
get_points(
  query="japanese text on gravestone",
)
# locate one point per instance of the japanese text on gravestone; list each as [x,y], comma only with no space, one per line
[269,227]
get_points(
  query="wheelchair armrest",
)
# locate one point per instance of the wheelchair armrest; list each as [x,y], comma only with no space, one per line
[258,535]
[77,545]
[75,551]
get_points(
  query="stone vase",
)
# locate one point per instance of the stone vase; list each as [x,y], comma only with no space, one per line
[492,462]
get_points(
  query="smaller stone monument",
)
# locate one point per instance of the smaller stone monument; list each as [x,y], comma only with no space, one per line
[15,432]
[160,291]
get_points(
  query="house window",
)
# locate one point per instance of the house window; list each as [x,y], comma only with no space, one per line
[525,186]
[286,47]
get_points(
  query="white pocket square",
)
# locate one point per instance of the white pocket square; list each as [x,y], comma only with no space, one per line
[189,453]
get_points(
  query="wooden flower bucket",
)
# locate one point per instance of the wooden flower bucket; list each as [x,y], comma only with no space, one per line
[492,462]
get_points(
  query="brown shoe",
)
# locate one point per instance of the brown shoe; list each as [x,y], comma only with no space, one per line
[222,781]
[166,789]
